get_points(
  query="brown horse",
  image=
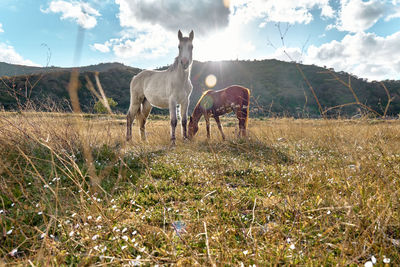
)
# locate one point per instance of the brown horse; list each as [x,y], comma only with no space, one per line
[216,103]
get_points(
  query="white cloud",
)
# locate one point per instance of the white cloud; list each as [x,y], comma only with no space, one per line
[82,13]
[394,15]
[202,16]
[150,26]
[1,28]
[291,11]
[363,54]
[104,48]
[153,44]
[357,15]
[9,55]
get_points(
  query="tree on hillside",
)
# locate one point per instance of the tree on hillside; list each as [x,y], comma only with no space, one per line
[100,108]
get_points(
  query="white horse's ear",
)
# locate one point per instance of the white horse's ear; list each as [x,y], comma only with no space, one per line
[179,35]
[191,35]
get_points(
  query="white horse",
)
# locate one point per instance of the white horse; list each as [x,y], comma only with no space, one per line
[163,89]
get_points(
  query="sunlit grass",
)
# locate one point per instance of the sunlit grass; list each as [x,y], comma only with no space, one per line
[303,192]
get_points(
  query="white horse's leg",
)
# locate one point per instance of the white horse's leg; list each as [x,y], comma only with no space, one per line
[142,116]
[219,127]
[184,112]
[133,110]
[174,120]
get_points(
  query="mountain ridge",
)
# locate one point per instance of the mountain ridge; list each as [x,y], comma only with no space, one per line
[278,88]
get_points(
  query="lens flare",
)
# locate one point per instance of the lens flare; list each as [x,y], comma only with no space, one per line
[211,80]
[226,3]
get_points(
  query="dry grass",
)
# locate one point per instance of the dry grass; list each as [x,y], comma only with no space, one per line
[302,192]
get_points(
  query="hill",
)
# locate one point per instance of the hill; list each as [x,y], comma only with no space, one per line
[277,87]
[7,69]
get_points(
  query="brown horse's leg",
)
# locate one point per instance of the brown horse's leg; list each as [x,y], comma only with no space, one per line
[241,114]
[207,119]
[219,127]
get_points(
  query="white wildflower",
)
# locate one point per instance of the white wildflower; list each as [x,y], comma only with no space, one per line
[328,212]
[95,237]
[1,211]
[368,264]
[13,252]
[42,235]
[46,186]
[124,230]
[292,246]
[125,238]
[9,232]
[134,232]
[386,260]
[40,213]
[124,247]
[245,252]
[73,215]
[89,217]
[71,234]
[98,218]
[373,259]
[134,263]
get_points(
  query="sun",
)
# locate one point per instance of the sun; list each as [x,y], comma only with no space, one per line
[222,45]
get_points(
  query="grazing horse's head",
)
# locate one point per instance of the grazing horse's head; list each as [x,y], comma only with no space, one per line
[193,128]
[185,49]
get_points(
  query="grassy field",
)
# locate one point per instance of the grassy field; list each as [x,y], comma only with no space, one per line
[296,192]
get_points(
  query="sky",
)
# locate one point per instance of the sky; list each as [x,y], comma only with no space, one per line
[355,36]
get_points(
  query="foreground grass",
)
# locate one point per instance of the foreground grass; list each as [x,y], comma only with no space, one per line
[303,192]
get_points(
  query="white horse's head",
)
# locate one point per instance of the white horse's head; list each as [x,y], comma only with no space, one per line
[185,49]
